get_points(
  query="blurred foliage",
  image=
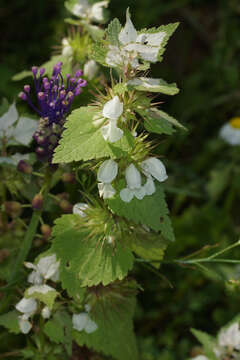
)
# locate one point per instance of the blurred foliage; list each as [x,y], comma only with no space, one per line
[203,189]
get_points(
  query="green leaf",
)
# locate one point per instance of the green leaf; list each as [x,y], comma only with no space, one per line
[66,65]
[22,75]
[113,31]
[83,141]
[10,321]
[167,29]
[112,311]
[153,85]
[85,261]
[99,52]
[59,330]
[148,245]
[151,211]
[208,343]
[47,298]
[94,31]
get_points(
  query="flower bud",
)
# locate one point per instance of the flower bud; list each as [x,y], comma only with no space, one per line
[37,202]
[46,313]
[107,171]
[133,177]
[68,178]
[79,209]
[13,208]
[66,206]
[46,231]
[24,167]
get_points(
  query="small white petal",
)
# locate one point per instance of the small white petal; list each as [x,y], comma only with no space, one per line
[46,312]
[200,357]
[126,195]
[80,321]
[79,209]
[145,52]
[155,167]
[91,326]
[113,109]
[110,239]
[48,266]
[128,33]
[114,56]
[67,50]
[90,69]
[35,278]
[149,186]
[25,325]
[133,177]
[81,9]
[139,193]
[87,307]
[26,305]
[107,171]
[43,289]
[97,13]
[106,191]
[30,265]
[111,132]
[154,39]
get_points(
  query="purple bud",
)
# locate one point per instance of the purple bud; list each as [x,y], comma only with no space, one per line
[34,70]
[83,83]
[72,80]
[55,88]
[40,151]
[42,71]
[77,91]
[70,94]
[68,76]
[27,88]
[41,96]
[62,94]
[52,104]
[22,95]
[37,202]
[78,73]
[59,64]
[46,85]
[24,167]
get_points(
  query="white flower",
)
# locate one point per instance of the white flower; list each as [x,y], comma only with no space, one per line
[24,324]
[93,12]
[106,191]
[46,268]
[46,312]
[112,110]
[27,306]
[79,209]
[230,132]
[145,46]
[134,186]
[200,357]
[154,167]
[83,322]
[107,171]
[230,337]
[67,49]
[90,69]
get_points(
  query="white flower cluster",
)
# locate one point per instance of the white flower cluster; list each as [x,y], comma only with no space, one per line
[152,168]
[144,46]
[230,132]
[83,322]
[93,12]
[46,269]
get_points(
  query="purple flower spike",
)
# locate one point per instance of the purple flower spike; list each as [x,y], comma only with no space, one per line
[54,99]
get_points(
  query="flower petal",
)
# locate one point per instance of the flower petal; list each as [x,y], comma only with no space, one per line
[48,265]
[79,209]
[149,186]
[26,305]
[91,326]
[111,132]
[24,324]
[79,321]
[113,109]
[46,312]
[133,177]
[139,193]
[43,289]
[155,167]
[97,12]
[128,33]
[154,39]
[106,191]
[90,69]
[107,171]
[126,195]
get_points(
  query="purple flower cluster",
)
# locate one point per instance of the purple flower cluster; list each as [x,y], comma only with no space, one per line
[54,100]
